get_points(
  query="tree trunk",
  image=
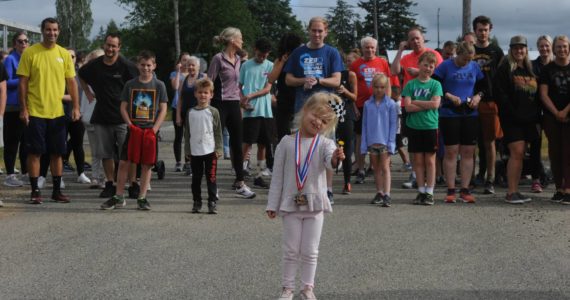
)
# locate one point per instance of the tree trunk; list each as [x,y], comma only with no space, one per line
[466,16]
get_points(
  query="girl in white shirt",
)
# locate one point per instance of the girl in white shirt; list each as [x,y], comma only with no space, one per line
[298,191]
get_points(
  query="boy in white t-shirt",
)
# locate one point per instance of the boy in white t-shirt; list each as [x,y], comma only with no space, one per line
[203,144]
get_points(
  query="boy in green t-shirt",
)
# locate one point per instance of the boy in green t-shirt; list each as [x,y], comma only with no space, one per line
[421,99]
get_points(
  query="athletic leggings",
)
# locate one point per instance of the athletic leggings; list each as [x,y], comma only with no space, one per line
[13,142]
[178,133]
[76,131]
[535,159]
[557,134]
[345,132]
[230,115]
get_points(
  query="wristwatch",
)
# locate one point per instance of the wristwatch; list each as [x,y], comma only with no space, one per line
[318,80]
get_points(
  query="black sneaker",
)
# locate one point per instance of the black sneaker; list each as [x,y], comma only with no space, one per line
[114,202]
[378,199]
[187,169]
[67,167]
[134,190]
[428,199]
[143,204]
[360,177]
[196,207]
[387,201]
[260,183]
[212,208]
[566,199]
[108,191]
[331,197]
[419,199]
[557,197]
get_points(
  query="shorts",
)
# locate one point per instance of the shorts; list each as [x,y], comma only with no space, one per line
[358,123]
[459,130]
[422,141]
[489,121]
[258,130]
[46,136]
[377,149]
[403,126]
[111,139]
[140,146]
[519,132]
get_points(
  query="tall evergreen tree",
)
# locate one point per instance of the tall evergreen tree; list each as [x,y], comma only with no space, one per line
[75,22]
[103,31]
[394,20]
[274,18]
[342,25]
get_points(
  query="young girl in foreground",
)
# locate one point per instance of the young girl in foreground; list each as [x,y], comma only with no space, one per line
[298,190]
[379,124]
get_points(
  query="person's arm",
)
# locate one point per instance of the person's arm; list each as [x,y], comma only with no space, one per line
[396,68]
[175,78]
[23,93]
[393,115]
[3,98]
[13,80]
[187,146]
[214,68]
[74,95]
[364,132]
[350,91]
[125,113]
[433,103]
[161,115]
[179,105]
[331,82]
[410,106]
[293,81]
[87,89]
[218,135]
[277,68]
[264,91]
[277,181]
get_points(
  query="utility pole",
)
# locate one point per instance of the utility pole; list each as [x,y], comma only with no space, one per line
[438,27]
[176,29]
[466,16]
[376,23]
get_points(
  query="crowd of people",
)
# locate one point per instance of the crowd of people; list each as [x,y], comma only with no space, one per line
[308,111]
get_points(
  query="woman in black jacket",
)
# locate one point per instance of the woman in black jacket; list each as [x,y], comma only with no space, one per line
[516,90]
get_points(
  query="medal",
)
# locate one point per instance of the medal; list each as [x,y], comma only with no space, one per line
[301,171]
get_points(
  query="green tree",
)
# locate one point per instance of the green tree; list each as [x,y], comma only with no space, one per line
[100,38]
[394,19]
[274,18]
[343,23]
[76,21]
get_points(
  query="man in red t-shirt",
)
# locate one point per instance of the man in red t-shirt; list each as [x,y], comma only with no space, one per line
[408,65]
[365,68]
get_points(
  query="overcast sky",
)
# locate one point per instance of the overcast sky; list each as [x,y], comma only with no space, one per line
[510,17]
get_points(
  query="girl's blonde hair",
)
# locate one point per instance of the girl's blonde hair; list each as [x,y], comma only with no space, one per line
[320,105]
[226,36]
[560,38]
[383,79]
[465,48]
[510,59]
[318,20]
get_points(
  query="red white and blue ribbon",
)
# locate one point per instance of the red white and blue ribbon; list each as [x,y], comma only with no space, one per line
[301,172]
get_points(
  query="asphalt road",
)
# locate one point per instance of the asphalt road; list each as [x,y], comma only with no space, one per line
[489,250]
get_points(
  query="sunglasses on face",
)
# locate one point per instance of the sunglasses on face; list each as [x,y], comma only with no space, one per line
[22,41]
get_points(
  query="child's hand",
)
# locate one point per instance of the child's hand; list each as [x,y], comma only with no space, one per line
[271,214]
[218,155]
[338,155]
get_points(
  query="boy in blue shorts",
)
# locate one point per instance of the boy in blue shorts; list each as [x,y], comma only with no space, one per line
[422,96]
[143,108]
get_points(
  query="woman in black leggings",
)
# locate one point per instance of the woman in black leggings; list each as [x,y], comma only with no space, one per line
[176,78]
[224,71]
[13,126]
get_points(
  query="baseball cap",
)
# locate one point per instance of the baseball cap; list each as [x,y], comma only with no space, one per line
[518,40]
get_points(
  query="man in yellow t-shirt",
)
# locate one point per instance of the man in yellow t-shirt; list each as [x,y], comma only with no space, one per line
[44,70]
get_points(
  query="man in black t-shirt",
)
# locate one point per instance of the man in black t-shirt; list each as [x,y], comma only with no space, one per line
[107,76]
[488,56]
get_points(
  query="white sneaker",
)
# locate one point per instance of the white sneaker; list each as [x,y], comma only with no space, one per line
[16,171]
[1,203]
[286,294]
[245,192]
[41,182]
[83,178]
[149,188]
[13,181]
[266,172]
